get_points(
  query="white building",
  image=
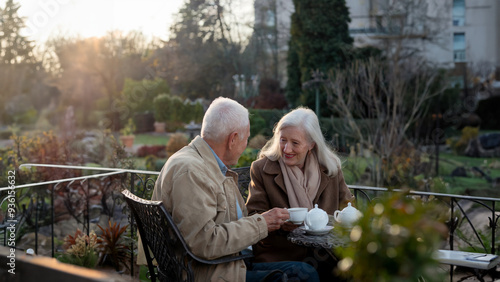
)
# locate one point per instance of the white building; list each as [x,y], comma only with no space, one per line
[447,33]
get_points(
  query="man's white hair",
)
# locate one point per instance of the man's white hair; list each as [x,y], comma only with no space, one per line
[223,117]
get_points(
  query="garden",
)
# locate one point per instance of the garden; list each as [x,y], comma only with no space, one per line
[105,113]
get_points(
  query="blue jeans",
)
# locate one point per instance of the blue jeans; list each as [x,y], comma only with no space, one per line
[296,271]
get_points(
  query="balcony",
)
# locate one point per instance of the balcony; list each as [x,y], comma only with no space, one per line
[93,198]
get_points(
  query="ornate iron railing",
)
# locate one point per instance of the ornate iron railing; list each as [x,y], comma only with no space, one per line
[78,194]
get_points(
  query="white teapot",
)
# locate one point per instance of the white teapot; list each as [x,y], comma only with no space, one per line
[316,219]
[347,216]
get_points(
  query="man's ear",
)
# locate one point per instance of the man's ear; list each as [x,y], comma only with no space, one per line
[232,139]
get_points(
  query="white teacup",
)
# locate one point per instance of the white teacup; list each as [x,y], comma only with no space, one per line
[297,215]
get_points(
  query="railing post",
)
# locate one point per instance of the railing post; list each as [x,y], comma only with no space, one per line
[493,227]
[87,199]
[452,229]
[36,223]
[132,180]
[52,218]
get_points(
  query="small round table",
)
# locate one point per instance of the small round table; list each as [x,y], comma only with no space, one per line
[326,241]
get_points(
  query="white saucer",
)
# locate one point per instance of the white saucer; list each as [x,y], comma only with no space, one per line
[322,231]
[297,222]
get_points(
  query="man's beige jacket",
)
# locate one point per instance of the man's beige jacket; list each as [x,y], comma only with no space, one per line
[202,202]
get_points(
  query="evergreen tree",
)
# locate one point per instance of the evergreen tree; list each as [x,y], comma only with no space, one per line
[294,85]
[14,48]
[21,76]
[320,41]
[204,51]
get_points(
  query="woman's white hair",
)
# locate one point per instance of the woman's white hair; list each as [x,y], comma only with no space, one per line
[223,117]
[306,120]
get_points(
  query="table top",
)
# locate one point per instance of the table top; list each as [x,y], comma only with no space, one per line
[468,259]
[327,241]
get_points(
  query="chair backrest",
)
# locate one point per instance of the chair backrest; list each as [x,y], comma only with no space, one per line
[160,234]
[243,180]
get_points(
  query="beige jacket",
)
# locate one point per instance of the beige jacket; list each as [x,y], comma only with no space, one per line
[202,202]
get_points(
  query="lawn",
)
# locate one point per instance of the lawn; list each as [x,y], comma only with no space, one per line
[151,139]
[474,184]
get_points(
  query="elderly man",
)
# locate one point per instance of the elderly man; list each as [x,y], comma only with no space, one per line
[201,193]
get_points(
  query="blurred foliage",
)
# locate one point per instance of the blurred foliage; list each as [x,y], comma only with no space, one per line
[458,145]
[151,150]
[176,142]
[394,241]
[138,95]
[48,148]
[129,128]
[257,142]
[263,121]
[113,246]
[270,96]
[80,250]
[171,109]
[487,110]
[248,156]
[400,170]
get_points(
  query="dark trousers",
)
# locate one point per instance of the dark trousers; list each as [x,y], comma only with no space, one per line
[294,270]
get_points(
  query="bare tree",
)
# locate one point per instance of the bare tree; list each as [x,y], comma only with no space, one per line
[404,27]
[379,102]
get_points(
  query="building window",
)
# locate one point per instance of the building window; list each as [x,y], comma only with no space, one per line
[458,12]
[270,18]
[459,47]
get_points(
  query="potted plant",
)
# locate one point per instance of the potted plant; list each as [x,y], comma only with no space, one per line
[127,134]
[161,106]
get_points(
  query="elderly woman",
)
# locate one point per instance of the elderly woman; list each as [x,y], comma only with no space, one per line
[295,169]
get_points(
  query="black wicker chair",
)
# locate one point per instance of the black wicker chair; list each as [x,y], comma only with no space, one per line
[243,180]
[160,234]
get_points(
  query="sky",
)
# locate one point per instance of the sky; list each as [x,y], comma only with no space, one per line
[88,18]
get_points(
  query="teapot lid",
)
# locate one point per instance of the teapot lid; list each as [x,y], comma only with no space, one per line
[316,210]
[349,208]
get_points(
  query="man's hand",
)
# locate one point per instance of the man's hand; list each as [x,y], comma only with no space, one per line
[275,218]
[289,226]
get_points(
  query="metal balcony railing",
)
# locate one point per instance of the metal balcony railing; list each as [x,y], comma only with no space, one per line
[78,194]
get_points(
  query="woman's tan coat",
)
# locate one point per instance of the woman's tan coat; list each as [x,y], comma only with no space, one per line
[267,190]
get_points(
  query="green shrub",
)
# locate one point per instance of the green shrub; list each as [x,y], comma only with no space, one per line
[263,121]
[129,128]
[161,107]
[248,156]
[138,95]
[176,142]
[172,109]
[28,117]
[193,112]
[257,125]
[468,133]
